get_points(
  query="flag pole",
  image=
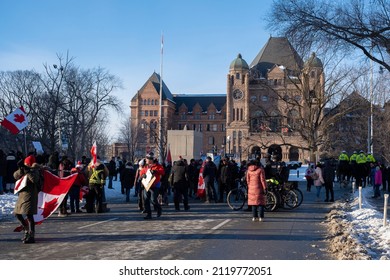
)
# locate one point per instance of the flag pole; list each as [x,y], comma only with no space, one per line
[160,148]
[25,142]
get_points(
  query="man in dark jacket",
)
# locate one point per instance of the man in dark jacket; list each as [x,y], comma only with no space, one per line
[209,174]
[193,176]
[112,172]
[328,173]
[179,182]
[226,175]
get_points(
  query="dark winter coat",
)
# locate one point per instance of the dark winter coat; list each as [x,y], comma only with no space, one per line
[11,168]
[28,197]
[3,164]
[257,186]
[193,173]
[209,171]
[179,172]
[128,176]
[328,172]
[112,168]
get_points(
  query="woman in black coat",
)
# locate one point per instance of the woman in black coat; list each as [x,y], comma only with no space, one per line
[127,178]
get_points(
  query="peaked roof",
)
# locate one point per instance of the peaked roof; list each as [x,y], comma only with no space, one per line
[204,100]
[277,50]
[155,80]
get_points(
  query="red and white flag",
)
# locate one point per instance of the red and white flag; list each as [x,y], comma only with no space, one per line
[50,197]
[20,184]
[94,154]
[201,184]
[16,121]
[168,159]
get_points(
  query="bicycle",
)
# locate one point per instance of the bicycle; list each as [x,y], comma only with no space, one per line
[238,196]
[284,193]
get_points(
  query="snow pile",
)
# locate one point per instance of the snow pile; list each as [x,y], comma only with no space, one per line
[358,234]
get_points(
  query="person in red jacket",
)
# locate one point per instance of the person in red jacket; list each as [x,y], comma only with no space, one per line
[157,170]
[257,188]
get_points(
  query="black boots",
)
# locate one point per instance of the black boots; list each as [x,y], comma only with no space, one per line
[29,238]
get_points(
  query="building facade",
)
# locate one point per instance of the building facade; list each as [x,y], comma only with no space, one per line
[263,109]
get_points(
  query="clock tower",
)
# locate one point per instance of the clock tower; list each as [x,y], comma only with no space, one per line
[237,105]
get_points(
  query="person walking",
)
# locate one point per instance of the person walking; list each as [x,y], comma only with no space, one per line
[64,170]
[127,177]
[309,177]
[209,174]
[150,196]
[329,176]
[179,182]
[318,180]
[257,189]
[378,182]
[27,203]
[111,172]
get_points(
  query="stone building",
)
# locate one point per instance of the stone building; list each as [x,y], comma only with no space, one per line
[261,112]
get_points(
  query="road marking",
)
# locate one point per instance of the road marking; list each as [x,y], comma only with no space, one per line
[94,224]
[221,224]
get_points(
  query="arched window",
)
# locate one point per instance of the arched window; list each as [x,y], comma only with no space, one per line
[152,101]
[148,101]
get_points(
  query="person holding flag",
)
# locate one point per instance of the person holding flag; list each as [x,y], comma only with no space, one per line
[27,203]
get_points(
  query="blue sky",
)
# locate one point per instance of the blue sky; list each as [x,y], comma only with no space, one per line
[201,38]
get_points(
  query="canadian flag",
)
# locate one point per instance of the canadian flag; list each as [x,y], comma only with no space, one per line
[201,185]
[94,154]
[50,197]
[16,121]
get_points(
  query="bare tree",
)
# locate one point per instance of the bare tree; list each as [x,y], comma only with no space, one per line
[130,136]
[64,104]
[342,25]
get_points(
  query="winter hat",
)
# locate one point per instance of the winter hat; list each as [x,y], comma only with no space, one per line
[29,161]
[141,162]
[150,155]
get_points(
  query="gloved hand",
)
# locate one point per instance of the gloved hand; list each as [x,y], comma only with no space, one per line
[153,172]
[143,176]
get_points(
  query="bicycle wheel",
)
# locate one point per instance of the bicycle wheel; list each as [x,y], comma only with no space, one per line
[271,203]
[290,199]
[299,194]
[236,199]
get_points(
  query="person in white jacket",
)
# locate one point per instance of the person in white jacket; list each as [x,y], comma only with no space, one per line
[318,180]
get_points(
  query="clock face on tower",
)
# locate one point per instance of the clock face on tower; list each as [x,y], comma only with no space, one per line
[237,94]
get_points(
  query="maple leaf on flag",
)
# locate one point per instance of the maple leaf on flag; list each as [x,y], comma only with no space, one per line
[48,207]
[19,118]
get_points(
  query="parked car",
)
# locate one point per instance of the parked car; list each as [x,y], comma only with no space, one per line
[294,164]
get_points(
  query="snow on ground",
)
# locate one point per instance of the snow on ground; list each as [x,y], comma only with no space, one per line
[353,233]
[359,234]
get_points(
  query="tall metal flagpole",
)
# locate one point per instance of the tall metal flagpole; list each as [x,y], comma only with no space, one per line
[160,143]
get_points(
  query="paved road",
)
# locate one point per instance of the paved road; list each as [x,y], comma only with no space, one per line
[207,231]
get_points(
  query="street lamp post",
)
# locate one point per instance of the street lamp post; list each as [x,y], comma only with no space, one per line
[228,141]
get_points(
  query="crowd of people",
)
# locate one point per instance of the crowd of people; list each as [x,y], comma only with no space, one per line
[359,167]
[154,182]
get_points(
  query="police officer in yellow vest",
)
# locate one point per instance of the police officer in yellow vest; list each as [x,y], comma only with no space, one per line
[362,170]
[343,167]
[370,158]
[352,164]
